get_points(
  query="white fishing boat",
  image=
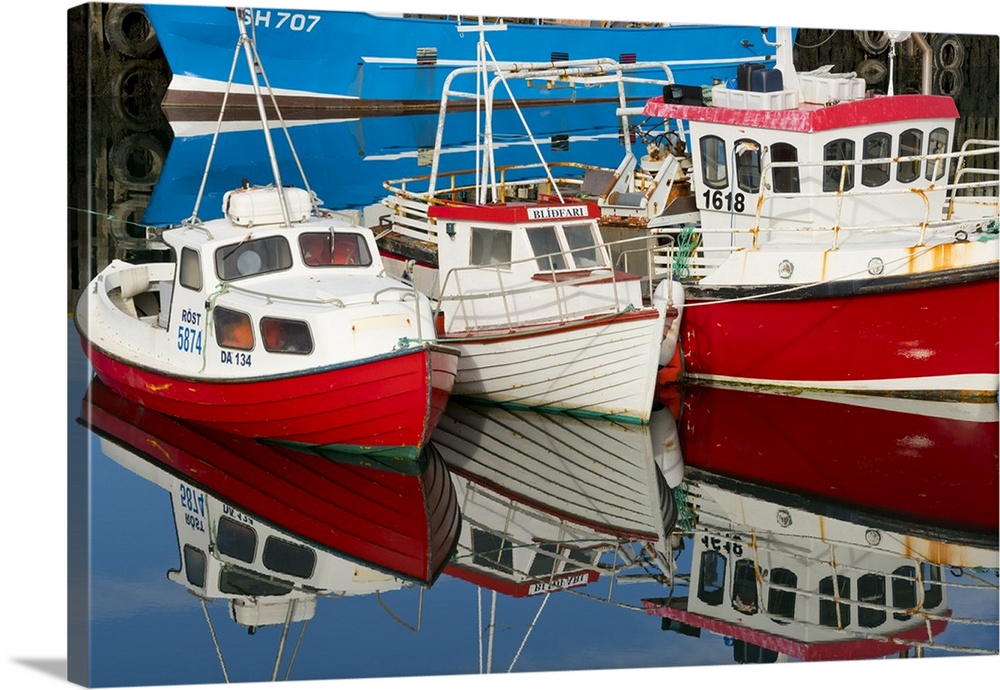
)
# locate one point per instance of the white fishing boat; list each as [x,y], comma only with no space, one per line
[528,290]
[276,321]
[553,505]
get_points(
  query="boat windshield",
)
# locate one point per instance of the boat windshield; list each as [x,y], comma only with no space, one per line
[252,257]
[334,249]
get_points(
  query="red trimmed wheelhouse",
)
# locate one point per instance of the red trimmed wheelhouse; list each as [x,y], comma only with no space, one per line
[835,239]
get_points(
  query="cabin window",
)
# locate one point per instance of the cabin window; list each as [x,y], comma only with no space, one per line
[781,602]
[288,557]
[232,329]
[835,613]
[235,580]
[712,578]
[838,177]
[785,177]
[748,165]
[937,145]
[285,335]
[871,590]
[492,551]
[544,563]
[334,249]
[744,587]
[190,269]
[195,565]
[904,591]
[910,144]
[236,540]
[876,146]
[545,245]
[933,594]
[583,245]
[490,247]
[749,653]
[713,162]
[252,257]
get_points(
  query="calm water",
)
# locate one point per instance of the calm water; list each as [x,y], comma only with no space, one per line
[843,476]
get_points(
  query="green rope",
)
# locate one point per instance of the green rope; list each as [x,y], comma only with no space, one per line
[687,519]
[687,242]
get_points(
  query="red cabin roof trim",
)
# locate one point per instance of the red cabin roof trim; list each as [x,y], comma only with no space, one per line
[808,118]
[516,213]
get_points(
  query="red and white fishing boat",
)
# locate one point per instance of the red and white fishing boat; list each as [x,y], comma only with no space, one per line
[837,240]
[528,290]
[275,321]
[781,578]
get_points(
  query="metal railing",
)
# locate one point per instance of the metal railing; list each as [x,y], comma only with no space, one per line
[561,286]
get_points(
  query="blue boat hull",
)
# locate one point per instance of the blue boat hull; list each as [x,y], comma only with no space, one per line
[358,59]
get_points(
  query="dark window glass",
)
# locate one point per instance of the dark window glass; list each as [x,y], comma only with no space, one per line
[937,145]
[748,165]
[289,558]
[544,562]
[834,175]
[195,565]
[236,540]
[252,257]
[828,608]
[910,144]
[233,580]
[492,551]
[744,587]
[786,178]
[713,162]
[340,248]
[490,247]
[232,329]
[545,245]
[712,578]
[904,591]
[285,335]
[871,589]
[190,269]
[933,594]
[583,244]
[779,601]
[876,146]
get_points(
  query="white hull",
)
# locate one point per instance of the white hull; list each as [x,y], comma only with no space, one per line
[579,370]
[598,473]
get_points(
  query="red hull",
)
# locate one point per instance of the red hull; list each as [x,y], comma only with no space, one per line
[897,335]
[386,406]
[928,469]
[404,525]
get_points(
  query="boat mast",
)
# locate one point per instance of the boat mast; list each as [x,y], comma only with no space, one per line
[245,40]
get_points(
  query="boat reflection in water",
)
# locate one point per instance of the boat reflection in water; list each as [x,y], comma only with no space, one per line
[931,462]
[553,503]
[833,557]
[268,529]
